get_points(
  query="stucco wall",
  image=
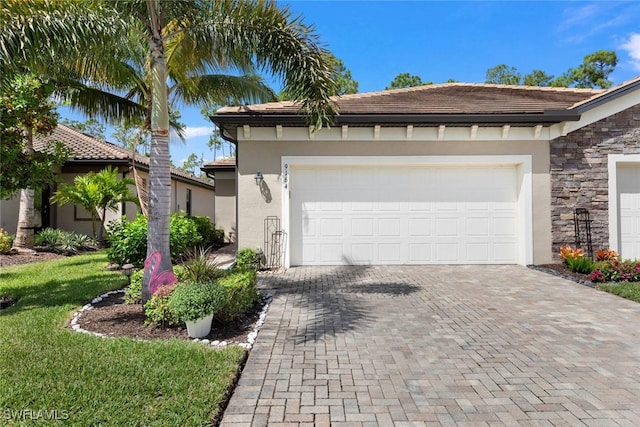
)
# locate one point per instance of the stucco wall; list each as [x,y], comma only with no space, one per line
[225,215]
[255,203]
[579,175]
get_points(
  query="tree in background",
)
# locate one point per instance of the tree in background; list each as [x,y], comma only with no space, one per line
[26,111]
[595,70]
[538,78]
[592,73]
[192,164]
[404,80]
[91,126]
[504,75]
[97,193]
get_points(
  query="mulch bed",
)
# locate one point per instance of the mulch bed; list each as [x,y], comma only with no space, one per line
[25,258]
[563,271]
[112,317]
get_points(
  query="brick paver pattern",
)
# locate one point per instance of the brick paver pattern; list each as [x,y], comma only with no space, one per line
[439,345]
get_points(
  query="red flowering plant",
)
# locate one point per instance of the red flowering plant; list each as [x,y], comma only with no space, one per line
[616,271]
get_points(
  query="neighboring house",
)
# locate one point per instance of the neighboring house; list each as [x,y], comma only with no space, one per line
[446,174]
[189,193]
[223,171]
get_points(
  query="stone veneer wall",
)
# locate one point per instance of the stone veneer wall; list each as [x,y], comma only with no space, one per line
[579,176]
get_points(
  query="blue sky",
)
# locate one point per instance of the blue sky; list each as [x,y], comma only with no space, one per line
[377,40]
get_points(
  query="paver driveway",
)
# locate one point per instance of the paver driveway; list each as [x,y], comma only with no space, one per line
[440,345]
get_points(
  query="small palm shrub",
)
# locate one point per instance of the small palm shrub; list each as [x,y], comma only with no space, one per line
[199,267]
[63,242]
[6,242]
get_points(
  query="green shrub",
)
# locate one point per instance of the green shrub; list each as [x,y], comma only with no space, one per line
[6,242]
[128,239]
[133,293]
[183,235]
[248,259]
[192,300]
[157,308]
[62,242]
[211,236]
[582,264]
[242,294]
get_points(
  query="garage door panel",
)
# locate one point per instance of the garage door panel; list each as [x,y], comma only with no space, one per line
[331,227]
[503,252]
[477,252]
[477,227]
[362,227]
[396,215]
[331,253]
[389,253]
[419,227]
[504,226]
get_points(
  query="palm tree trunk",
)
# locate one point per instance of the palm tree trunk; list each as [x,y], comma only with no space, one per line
[159,168]
[24,240]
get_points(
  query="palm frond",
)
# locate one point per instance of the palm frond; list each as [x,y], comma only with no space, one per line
[94,102]
[279,43]
[222,89]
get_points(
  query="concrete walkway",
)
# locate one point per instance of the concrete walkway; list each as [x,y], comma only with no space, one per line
[440,345]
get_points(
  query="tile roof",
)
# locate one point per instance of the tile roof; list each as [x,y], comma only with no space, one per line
[446,98]
[224,162]
[89,148]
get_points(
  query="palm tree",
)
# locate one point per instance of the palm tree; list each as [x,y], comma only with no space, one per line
[97,193]
[222,34]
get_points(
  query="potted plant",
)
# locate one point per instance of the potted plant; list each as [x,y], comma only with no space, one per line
[195,304]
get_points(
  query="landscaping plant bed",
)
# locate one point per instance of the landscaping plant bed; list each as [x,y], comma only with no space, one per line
[112,317]
[7,260]
[565,272]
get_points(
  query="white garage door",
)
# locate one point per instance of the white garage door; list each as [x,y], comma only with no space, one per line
[403,215]
[629,208]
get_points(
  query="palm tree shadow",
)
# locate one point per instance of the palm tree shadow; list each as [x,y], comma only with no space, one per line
[323,302]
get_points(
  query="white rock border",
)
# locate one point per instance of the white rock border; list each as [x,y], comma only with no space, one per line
[251,338]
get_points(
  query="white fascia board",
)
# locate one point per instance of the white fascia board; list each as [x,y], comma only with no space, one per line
[596,114]
[474,133]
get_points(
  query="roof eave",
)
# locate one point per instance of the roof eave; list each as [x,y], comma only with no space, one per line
[546,117]
[607,97]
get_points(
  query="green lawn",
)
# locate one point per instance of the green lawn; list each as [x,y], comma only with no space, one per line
[628,290]
[90,380]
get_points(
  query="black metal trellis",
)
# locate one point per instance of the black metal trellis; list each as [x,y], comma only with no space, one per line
[582,228]
[272,242]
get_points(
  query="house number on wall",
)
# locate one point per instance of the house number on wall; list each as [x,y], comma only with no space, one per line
[285,176]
